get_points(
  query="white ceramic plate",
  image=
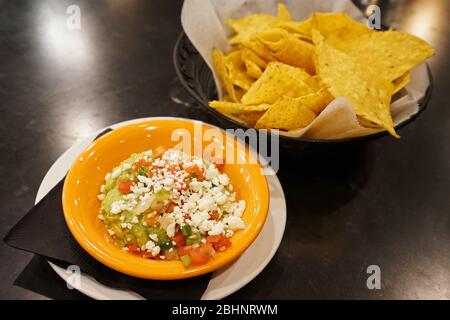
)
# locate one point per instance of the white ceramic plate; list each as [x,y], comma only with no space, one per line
[224,281]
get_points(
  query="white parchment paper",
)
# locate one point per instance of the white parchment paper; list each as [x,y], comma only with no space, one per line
[204,22]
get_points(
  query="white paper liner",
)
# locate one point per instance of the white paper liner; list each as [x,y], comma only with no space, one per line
[204,23]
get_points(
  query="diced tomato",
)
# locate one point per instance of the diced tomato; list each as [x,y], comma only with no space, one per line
[184,251]
[198,257]
[141,164]
[170,207]
[208,249]
[213,239]
[214,215]
[124,186]
[219,242]
[218,163]
[180,240]
[172,169]
[152,221]
[133,248]
[219,166]
[194,169]
[147,255]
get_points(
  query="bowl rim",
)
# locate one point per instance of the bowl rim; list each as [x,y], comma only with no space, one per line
[96,253]
[422,104]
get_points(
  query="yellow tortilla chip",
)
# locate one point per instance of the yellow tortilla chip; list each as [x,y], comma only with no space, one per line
[253,70]
[288,49]
[278,80]
[251,118]
[300,29]
[345,77]
[391,53]
[283,12]
[222,72]
[401,82]
[342,38]
[237,70]
[366,123]
[248,54]
[231,107]
[258,48]
[247,26]
[328,23]
[248,119]
[317,101]
[239,92]
[314,83]
[286,114]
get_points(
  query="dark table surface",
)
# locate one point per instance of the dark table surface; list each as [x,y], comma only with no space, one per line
[386,203]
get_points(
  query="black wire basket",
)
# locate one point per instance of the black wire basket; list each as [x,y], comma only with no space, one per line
[196,77]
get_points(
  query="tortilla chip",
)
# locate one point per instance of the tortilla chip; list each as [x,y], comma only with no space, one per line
[391,53]
[286,114]
[401,82]
[299,29]
[237,70]
[248,119]
[342,38]
[239,93]
[233,108]
[317,101]
[366,123]
[222,72]
[288,49]
[345,77]
[278,80]
[247,26]
[314,83]
[259,49]
[328,23]
[251,118]
[248,54]
[253,70]
[283,12]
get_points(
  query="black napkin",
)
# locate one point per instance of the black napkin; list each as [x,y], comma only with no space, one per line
[43,231]
[39,277]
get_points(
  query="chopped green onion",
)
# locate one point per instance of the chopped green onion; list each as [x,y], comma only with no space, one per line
[186,230]
[186,261]
[142,172]
[195,237]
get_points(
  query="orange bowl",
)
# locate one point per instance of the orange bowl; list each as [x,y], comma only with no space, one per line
[86,175]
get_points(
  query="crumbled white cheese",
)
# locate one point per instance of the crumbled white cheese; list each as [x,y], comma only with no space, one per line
[116,172]
[156,250]
[170,230]
[234,222]
[149,245]
[239,209]
[206,203]
[224,180]
[217,229]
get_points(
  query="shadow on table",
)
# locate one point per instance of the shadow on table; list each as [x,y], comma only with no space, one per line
[317,184]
